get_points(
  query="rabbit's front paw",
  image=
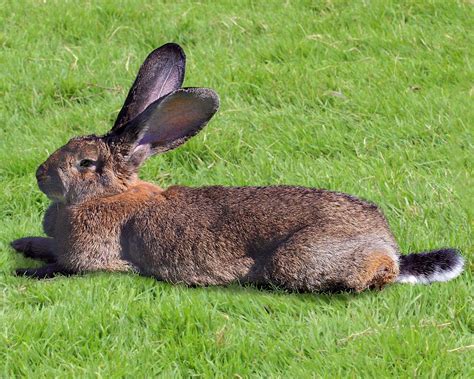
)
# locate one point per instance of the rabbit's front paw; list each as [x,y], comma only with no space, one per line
[23,245]
[35,247]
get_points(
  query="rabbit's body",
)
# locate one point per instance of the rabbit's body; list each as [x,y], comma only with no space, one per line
[304,239]
[103,218]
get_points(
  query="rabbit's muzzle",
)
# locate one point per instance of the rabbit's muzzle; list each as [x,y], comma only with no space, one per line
[49,183]
[41,173]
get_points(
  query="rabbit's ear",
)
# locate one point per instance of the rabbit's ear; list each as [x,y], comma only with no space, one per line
[161,73]
[169,122]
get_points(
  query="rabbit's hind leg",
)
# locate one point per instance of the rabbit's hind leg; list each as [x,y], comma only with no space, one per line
[380,269]
[312,261]
[35,248]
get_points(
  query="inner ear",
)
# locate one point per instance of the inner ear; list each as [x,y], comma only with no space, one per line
[170,121]
[179,116]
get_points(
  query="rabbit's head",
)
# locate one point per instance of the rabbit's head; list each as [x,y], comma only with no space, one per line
[157,116]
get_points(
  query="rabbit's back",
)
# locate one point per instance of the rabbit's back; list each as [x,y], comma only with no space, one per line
[214,235]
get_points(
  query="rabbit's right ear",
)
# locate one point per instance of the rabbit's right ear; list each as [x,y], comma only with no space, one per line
[166,124]
[160,74]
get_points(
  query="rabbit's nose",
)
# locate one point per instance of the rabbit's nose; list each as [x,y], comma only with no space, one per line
[41,172]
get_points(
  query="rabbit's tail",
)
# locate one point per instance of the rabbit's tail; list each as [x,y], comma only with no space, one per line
[433,266]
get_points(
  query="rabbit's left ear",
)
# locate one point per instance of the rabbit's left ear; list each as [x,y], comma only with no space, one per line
[161,73]
[167,123]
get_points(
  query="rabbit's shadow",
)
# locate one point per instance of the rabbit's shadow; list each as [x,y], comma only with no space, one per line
[337,295]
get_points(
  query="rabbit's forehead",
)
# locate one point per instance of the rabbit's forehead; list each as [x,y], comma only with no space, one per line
[79,147]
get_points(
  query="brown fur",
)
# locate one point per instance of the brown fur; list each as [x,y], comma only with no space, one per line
[298,238]
[381,270]
[104,218]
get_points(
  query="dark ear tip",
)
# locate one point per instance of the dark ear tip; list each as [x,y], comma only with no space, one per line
[169,48]
[215,98]
[171,45]
[207,95]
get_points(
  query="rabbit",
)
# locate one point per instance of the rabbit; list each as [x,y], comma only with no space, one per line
[102,217]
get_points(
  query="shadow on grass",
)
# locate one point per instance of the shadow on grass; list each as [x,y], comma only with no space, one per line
[245,289]
[253,289]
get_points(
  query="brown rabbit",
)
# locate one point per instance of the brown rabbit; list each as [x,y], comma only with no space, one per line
[102,217]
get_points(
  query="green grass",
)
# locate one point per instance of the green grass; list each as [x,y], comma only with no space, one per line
[370,98]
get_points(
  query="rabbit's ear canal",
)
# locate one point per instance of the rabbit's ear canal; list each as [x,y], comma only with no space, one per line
[161,73]
[169,122]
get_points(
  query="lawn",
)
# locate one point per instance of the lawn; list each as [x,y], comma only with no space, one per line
[370,98]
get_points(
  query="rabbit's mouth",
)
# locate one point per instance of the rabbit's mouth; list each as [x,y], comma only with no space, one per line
[56,197]
[46,186]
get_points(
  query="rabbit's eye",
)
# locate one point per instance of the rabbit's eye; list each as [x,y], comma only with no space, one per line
[86,163]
